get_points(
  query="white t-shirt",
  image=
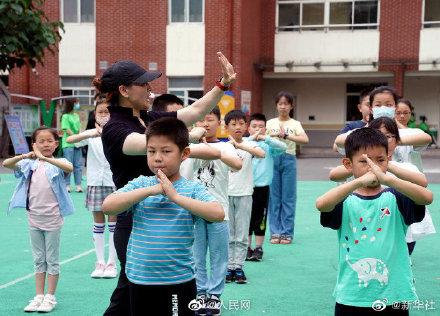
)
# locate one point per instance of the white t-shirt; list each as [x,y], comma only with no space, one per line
[214,174]
[241,182]
[411,154]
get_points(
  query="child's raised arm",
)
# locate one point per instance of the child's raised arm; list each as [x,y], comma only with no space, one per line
[64,165]
[211,211]
[205,152]
[416,139]
[119,202]
[328,201]
[11,163]
[90,133]
[408,175]
[339,174]
[417,193]
[253,150]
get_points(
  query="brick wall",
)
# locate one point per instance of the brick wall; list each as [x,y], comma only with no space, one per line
[134,30]
[400,24]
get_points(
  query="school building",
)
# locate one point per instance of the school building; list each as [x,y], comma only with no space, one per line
[325,52]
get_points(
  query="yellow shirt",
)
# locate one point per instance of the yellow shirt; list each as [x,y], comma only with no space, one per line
[292,127]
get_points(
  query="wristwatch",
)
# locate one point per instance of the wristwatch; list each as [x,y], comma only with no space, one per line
[285,135]
[223,87]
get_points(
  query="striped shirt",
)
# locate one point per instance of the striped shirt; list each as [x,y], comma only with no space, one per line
[159,251]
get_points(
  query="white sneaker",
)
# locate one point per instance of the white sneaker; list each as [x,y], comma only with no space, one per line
[34,303]
[110,271]
[48,304]
[99,271]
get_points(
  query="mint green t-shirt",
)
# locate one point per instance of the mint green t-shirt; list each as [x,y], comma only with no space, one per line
[69,121]
[373,255]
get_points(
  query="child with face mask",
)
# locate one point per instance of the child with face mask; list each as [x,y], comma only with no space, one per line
[99,186]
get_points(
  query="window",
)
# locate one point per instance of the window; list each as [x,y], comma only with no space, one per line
[78,11]
[189,89]
[431,13]
[297,15]
[186,10]
[80,87]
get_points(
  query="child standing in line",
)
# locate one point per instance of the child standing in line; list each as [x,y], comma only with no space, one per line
[372,222]
[282,196]
[211,239]
[262,170]
[42,191]
[160,264]
[365,109]
[240,190]
[99,186]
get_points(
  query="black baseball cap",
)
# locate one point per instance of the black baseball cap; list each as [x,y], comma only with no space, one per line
[125,72]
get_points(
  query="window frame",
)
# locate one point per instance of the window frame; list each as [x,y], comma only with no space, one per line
[185,13]
[428,24]
[326,26]
[78,13]
[90,90]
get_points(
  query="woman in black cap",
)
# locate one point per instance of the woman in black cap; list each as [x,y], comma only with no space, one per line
[129,94]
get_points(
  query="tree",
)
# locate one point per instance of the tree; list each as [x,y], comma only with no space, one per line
[25,33]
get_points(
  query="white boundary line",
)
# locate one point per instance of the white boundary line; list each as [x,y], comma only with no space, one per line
[30,275]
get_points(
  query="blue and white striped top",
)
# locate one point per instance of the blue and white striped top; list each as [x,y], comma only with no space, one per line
[159,251]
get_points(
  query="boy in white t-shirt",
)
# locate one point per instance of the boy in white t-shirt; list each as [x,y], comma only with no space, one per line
[214,174]
[240,190]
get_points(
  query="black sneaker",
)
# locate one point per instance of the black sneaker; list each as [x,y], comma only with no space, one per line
[213,306]
[240,277]
[250,254]
[230,276]
[258,254]
[201,299]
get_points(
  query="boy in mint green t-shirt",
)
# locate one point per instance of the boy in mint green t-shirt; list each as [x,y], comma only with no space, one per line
[374,271]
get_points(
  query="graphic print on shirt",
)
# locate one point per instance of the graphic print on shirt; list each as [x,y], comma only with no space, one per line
[206,174]
[364,232]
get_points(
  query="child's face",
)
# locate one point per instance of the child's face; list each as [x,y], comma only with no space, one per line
[358,164]
[46,143]
[391,140]
[257,126]
[236,128]
[164,154]
[403,113]
[284,107]
[174,107]
[102,115]
[384,99]
[210,123]
[364,107]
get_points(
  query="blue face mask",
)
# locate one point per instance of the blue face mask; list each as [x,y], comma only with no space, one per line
[383,111]
[76,106]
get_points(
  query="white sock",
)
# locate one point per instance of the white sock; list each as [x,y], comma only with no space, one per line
[98,240]
[111,244]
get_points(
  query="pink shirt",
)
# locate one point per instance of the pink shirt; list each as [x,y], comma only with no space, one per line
[44,212]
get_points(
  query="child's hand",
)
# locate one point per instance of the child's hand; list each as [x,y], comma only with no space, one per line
[369,180]
[157,189]
[98,130]
[255,136]
[380,175]
[232,141]
[167,186]
[38,153]
[282,132]
[196,134]
[29,155]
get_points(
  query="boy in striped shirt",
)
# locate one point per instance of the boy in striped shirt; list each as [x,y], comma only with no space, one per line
[160,265]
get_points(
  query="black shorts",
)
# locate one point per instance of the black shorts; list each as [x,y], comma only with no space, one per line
[345,310]
[166,300]
[260,200]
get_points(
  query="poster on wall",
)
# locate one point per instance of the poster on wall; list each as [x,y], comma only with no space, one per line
[246,97]
[226,104]
[17,134]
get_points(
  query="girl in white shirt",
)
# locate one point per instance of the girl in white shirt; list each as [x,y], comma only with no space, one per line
[99,186]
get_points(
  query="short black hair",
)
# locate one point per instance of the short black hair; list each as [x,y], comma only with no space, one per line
[364,93]
[389,124]
[161,102]
[216,112]
[172,128]
[383,89]
[257,117]
[234,115]
[362,138]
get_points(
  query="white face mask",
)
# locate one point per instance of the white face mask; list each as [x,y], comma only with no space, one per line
[76,106]
[102,120]
[380,111]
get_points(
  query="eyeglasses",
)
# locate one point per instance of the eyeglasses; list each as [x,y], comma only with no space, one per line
[403,113]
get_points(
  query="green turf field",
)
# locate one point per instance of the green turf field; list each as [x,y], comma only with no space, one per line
[297,279]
